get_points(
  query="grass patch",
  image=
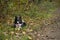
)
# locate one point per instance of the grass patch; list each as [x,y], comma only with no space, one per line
[25,37]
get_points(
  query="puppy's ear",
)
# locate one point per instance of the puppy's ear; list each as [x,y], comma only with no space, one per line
[15,20]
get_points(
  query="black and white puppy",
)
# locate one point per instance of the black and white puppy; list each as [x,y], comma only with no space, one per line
[18,23]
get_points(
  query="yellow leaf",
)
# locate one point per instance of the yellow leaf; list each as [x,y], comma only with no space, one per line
[12,32]
[24,32]
[6,39]
[19,28]
[29,37]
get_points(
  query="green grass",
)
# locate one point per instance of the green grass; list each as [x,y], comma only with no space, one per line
[25,37]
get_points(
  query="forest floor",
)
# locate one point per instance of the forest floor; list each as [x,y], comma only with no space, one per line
[51,31]
[42,21]
[48,29]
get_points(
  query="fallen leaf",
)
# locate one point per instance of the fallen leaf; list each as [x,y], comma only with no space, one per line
[24,32]
[29,37]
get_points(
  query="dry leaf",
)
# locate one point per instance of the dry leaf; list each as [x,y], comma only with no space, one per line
[24,32]
[29,37]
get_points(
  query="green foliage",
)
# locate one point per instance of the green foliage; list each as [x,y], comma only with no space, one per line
[2,36]
[23,1]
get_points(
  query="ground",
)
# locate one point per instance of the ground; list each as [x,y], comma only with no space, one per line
[48,29]
[52,31]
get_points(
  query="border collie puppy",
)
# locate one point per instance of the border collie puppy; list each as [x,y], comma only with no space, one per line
[18,23]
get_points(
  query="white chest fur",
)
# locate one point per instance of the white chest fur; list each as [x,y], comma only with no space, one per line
[18,25]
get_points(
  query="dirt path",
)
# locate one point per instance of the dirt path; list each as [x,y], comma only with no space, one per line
[52,31]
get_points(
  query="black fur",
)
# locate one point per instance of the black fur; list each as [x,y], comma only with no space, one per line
[19,19]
